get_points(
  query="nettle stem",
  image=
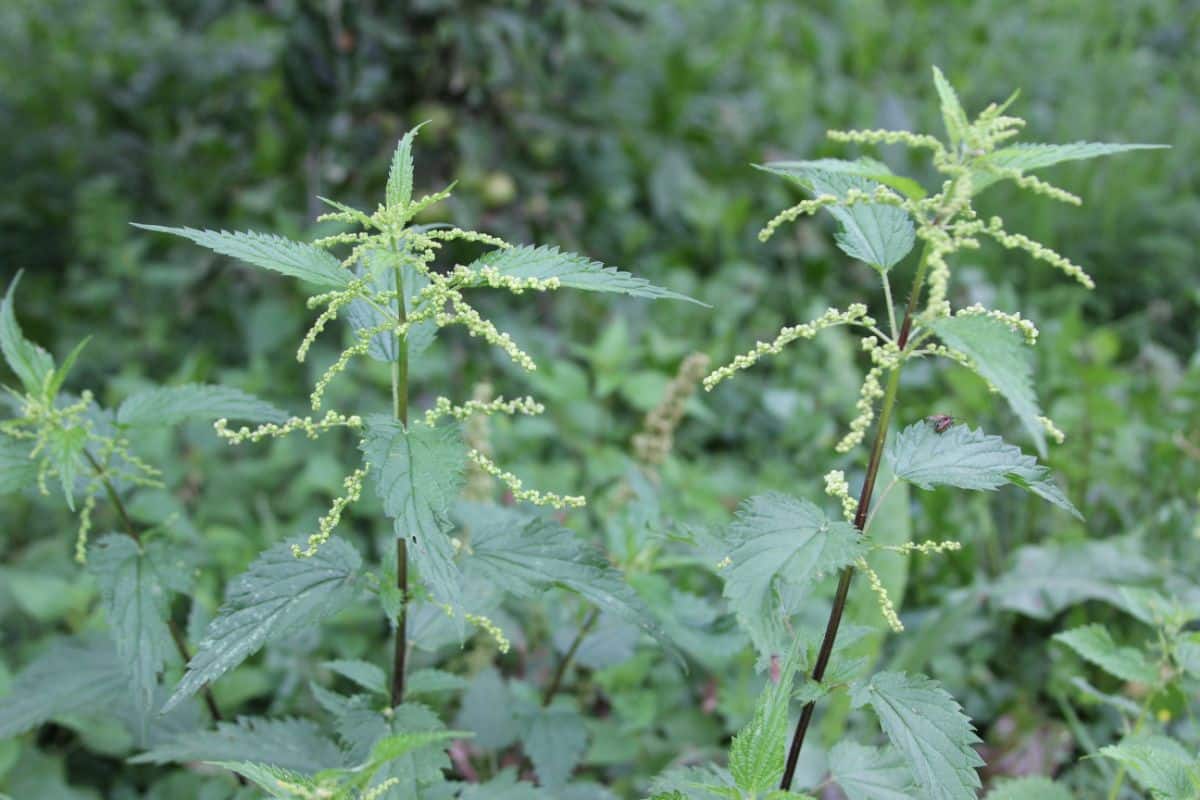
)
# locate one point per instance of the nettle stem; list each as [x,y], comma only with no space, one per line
[860,519]
[561,671]
[400,411]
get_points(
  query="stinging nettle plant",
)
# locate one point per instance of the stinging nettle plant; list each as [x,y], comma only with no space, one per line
[386,285]
[779,544]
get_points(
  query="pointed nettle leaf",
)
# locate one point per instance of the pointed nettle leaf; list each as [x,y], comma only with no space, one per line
[1002,358]
[366,732]
[863,167]
[952,111]
[969,459]
[17,470]
[277,595]
[1159,764]
[774,540]
[418,472]
[172,405]
[869,773]
[135,589]
[1030,156]
[399,191]
[555,738]
[877,234]
[71,676]
[33,366]
[758,752]
[572,270]
[927,726]
[366,675]
[276,253]
[525,559]
[294,744]
[1095,644]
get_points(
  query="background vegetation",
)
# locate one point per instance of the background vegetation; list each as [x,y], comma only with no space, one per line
[623,130]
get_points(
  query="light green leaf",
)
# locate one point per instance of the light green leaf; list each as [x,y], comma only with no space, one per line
[863,167]
[555,740]
[278,782]
[33,365]
[573,271]
[65,448]
[1159,764]
[60,375]
[928,727]
[527,559]
[969,459]
[71,676]
[135,589]
[366,675]
[1002,358]
[875,233]
[778,539]
[1029,788]
[400,177]
[277,595]
[869,773]
[1045,579]
[295,259]
[418,473]
[171,405]
[364,729]
[17,469]
[1094,643]
[758,752]
[294,744]
[1030,156]
[952,110]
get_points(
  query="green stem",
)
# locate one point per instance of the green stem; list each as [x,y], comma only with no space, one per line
[561,671]
[860,518]
[400,411]
[1114,790]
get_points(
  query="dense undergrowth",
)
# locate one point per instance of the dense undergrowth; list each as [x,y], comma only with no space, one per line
[626,135]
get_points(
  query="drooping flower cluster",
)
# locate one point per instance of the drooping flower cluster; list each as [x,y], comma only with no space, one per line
[653,443]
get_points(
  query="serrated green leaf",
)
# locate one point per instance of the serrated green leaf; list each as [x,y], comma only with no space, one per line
[60,375]
[171,405]
[1000,356]
[363,315]
[1045,579]
[287,257]
[758,751]
[366,675]
[969,459]
[778,539]
[1030,156]
[573,271]
[17,469]
[293,744]
[65,448]
[927,726]
[418,473]
[135,590]
[1029,788]
[875,233]
[278,594]
[400,177]
[555,740]
[276,781]
[863,167]
[1094,643]
[71,676]
[362,729]
[869,773]
[32,365]
[487,709]
[526,559]
[952,110]
[1160,765]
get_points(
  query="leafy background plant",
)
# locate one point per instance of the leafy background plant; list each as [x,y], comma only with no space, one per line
[626,134]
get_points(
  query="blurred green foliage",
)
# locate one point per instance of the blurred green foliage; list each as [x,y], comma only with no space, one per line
[624,130]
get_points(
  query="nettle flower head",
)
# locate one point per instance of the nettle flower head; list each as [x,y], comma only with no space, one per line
[383,278]
[882,216]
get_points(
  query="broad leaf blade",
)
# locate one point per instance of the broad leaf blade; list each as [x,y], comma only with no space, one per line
[927,726]
[418,472]
[171,405]
[555,739]
[1031,156]
[1094,643]
[287,257]
[1159,764]
[776,538]
[969,459]
[868,773]
[862,167]
[1001,357]
[293,744]
[757,754]
[72,676]
[17,469]
[135,589]
[1029,788]
[573,271]
[278,594]
[33,365]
